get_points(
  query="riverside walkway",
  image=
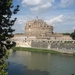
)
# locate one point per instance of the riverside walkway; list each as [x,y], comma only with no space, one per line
[66,51]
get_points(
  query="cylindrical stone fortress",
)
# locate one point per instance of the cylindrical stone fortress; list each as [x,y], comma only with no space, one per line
[38,28]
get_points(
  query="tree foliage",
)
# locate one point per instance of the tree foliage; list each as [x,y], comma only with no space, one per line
[73,35]
[6,31]
[6,23]
[66,33]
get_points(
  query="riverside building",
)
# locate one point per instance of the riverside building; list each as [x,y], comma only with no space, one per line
[39,33]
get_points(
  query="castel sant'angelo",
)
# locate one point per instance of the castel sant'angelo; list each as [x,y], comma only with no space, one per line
[38,28]
[41,30]
[39,34]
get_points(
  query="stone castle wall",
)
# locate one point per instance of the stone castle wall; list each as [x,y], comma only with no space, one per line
[40,35]
[54,44]
[41,30]
[38,28]
[23,41]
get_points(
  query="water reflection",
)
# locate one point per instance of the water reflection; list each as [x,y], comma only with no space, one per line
[18,69]
[31,63]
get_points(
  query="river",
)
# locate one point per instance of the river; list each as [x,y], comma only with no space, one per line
[32,63]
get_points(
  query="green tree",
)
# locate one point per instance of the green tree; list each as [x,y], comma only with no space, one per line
[66,33]
[6,31]
[73,35]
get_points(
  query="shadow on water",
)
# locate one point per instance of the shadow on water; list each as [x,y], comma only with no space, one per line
[19,69]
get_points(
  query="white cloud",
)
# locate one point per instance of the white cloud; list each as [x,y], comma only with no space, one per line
[41,7]
[73,28]
[31,2]
[67,3]
[19,25]
[37,5]
[61,19]
[55,20]
[20,22]
[34,2]
[70,18]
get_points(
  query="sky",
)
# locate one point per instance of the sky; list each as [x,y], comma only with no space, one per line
[57,13]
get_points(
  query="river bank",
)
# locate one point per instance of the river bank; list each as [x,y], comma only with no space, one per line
[53,51]
[35,50]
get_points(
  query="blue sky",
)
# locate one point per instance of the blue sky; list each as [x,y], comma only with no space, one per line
[58,13]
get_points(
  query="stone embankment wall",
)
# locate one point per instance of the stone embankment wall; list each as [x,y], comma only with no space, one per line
[54,44]
[58,45]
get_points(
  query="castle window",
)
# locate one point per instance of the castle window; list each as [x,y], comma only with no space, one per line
[29,26]
[48,41]
[43,41]
[25,38]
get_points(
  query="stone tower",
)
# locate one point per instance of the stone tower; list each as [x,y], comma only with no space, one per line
[38,28]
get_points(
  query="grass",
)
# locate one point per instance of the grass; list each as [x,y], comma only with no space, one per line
[35,50]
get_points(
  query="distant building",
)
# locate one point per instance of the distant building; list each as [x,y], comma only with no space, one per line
[41,30]
[38,28]
[38,33]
